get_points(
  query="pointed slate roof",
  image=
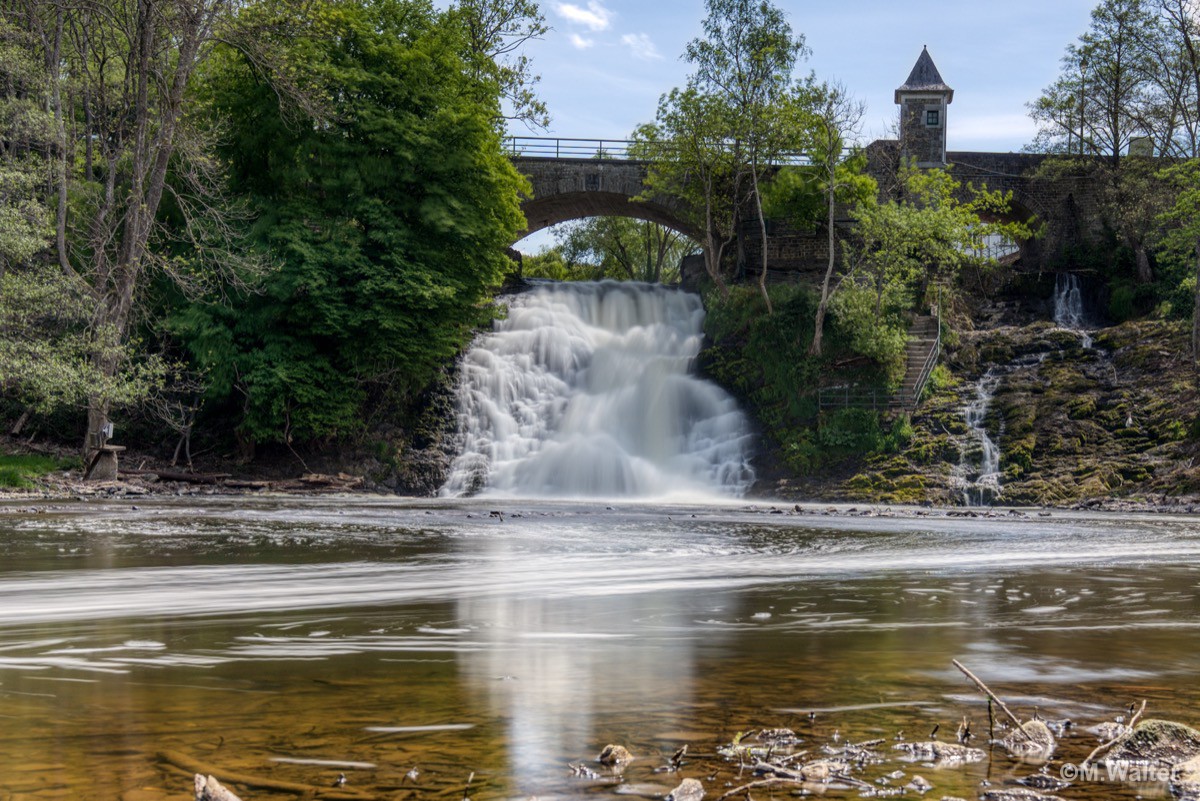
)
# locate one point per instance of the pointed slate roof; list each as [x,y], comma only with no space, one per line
[925,78]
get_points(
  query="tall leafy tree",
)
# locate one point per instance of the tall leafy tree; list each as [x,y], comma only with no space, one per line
[495,31]
[811,195]
[118,81]
[388,222]
[746,57]
[49,347]
[688,150]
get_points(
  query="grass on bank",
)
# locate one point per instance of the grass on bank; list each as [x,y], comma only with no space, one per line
[18,471]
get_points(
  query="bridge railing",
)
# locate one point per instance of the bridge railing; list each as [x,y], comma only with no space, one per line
[544,147]
[541,147]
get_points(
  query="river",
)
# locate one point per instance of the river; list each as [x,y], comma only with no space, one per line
[412,644]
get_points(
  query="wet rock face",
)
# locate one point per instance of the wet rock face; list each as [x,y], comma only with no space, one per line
[614,755]
[945,754]
[1034,739]
[1158,742]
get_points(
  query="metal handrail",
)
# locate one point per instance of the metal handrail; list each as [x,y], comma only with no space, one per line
[849,395]
[927,368]
[546,147]
[567,148]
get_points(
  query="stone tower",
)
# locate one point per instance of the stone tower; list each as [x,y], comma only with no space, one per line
[923,99]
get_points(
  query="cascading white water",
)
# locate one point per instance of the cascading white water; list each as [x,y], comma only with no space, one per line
[981,475]
[1068,306]
[584,390]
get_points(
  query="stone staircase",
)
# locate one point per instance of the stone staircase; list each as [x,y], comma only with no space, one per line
[924,343]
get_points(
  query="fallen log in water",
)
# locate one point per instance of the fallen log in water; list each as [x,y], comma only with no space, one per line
[196,766]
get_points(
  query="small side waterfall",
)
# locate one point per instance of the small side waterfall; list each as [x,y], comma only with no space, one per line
[1068,306]
[584,390]
[979,469]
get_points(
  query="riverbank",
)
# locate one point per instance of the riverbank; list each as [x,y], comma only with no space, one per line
[1107,419]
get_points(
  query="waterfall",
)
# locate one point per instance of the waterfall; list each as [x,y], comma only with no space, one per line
[584,390]
[1068,306]
[979,469]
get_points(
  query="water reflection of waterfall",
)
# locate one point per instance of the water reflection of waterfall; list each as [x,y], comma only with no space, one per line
[979,468]
[585,390]
[1068,306]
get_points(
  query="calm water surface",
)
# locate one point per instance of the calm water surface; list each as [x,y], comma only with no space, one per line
[295,640]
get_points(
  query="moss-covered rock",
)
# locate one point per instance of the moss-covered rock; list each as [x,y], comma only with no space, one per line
[1156,742]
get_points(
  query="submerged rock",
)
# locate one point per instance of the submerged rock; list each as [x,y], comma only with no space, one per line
[1044,781]
[945,753]
[688,790]
[777,737]
[1108,730]
[1037,740]
[1185,780]
[1157,741]
[209,789]
[919,784]
[1016,794]
[614,755]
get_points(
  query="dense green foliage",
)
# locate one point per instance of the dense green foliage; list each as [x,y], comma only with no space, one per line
[387,225]
[765,360]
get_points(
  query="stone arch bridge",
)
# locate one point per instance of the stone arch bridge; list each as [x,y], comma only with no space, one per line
[578,178]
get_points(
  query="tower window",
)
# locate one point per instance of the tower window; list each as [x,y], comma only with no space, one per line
[932,119]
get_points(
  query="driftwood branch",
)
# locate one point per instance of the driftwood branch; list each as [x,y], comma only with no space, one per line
[986,691]
[772,782]
[1105,746]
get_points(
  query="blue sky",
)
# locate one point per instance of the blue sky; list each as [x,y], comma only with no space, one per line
[606,62]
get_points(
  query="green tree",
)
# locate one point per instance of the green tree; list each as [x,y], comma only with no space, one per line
[49,351]
[624,248]
[388,221]
[494,32]
[902,246]
[690,159]
[1101,97]
[811,195]
[746,58]
[127,138]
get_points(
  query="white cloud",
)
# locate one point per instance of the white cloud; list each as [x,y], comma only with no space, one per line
[580,43]
[641,46]
[596,17]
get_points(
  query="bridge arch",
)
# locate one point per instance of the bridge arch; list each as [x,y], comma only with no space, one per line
[566,206]
[566,189]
